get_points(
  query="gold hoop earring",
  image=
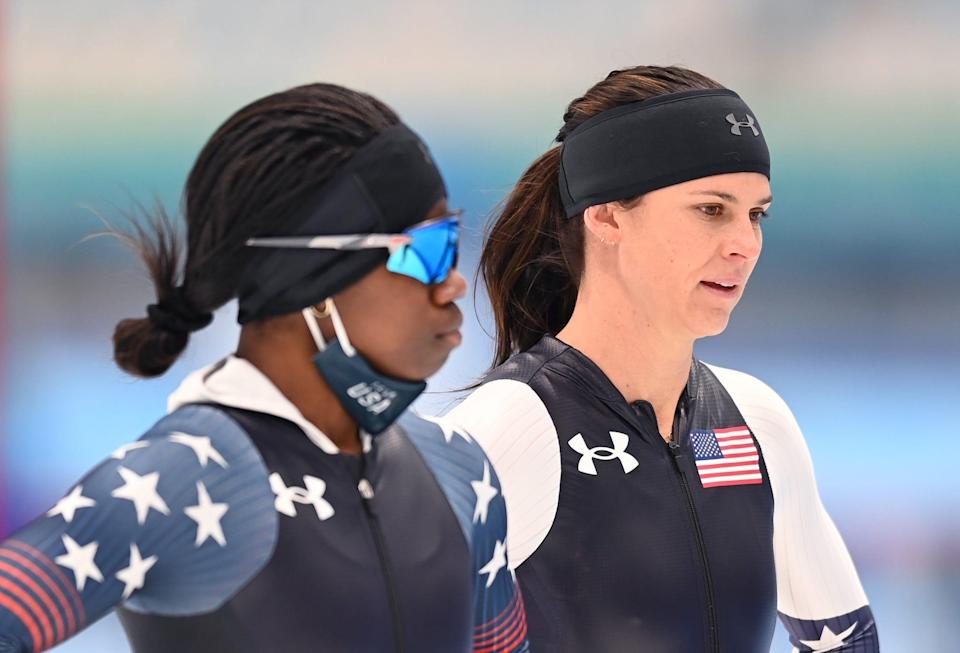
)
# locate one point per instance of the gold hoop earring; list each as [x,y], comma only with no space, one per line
[323,311]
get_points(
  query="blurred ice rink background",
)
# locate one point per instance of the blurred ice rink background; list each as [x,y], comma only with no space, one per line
[853,314]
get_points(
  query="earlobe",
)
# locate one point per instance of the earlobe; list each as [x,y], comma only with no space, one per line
[603,223]
[321,310]
[321,329]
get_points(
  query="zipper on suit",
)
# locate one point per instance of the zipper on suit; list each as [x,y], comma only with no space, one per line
[675,455]
[365,488]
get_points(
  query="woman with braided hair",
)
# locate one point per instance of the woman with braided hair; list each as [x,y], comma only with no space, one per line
[288,501]
[656,503]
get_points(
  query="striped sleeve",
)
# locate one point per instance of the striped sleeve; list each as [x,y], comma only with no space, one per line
[819,596]
[500,621]
[470,483]
[174,523]
[512,424]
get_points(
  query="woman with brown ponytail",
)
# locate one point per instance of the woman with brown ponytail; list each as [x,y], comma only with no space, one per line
[288,501]
[656,503]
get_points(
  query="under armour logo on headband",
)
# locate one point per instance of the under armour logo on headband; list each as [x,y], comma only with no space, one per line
[749,122]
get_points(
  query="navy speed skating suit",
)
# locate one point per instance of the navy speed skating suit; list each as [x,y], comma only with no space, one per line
[624,543]
[235,525]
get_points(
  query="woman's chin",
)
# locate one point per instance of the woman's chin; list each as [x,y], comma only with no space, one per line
[712,325]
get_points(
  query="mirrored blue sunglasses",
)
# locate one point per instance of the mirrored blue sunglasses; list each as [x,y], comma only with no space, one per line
[426,252]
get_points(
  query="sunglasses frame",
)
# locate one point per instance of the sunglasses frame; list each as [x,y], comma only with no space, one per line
[391,242]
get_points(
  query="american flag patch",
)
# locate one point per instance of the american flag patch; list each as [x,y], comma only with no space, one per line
[726,457]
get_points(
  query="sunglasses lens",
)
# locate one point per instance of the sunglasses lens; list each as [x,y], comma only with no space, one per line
[405,261]
[430,255]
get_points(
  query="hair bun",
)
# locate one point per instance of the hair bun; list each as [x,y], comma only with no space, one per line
[144,349]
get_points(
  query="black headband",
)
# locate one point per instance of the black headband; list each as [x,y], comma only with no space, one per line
[666,140]
[389,184]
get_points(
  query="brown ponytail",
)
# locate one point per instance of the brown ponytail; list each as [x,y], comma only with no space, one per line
[532,259]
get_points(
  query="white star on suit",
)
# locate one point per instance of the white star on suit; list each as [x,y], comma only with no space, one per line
[136,572]
[448,430]
[79,560]
[207,515]
[142,491]
[828,639]
[497,562]
[68,505]
[122,452]
[201,447]
[485,494]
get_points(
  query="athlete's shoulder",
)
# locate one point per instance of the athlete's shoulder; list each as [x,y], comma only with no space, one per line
[526,365]
[750,394]
[501,405]
[772,422]
[512,424]
[817,585]
[188,505]
[174,523]
[472,487]
[206,429]
[462,469]
[221,515]
[440,434]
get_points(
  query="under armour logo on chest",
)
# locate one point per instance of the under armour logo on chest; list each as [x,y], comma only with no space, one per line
[311,494]
[588,455]
[749,123]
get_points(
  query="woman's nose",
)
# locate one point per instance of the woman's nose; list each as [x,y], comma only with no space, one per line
[450,289]
[745,240]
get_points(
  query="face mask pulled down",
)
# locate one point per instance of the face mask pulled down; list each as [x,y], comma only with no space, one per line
[374,400]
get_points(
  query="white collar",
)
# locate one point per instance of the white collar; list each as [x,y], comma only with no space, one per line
[237,383]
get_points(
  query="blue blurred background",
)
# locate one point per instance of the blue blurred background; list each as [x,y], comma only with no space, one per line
[853,314]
